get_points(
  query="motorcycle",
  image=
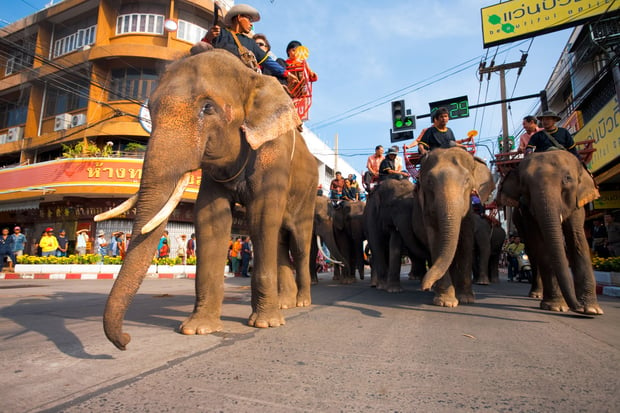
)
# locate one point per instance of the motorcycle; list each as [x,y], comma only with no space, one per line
[524,272]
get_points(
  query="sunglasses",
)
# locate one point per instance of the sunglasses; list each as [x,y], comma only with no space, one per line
[261,44]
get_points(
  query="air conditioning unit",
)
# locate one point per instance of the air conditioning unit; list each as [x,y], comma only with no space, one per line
[62,122]
[77,120]
[2,138]
[14,134]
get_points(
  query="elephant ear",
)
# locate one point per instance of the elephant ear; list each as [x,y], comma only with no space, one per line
[483,180]
[588,190]
[508,193]
[269,112]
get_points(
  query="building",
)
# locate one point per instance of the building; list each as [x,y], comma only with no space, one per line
[584,90]
[73,125]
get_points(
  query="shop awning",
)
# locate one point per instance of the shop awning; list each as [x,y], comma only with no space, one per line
[19,206]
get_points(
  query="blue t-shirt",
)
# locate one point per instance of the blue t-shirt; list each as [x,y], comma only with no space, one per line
[19,241]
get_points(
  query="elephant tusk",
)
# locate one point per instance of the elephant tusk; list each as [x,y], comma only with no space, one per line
[318,243]
[116,211]
[172,203]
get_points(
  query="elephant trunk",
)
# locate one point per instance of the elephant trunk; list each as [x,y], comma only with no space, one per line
[444,244]
[551,228]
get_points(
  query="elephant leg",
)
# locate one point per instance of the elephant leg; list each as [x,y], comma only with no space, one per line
[287,288]
[265,217]
[444,293]
[580,262]
[460,270]
[301,238]
[314,252]
[211,252]
[395,251]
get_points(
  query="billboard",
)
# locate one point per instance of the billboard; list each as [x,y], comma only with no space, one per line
[514,20]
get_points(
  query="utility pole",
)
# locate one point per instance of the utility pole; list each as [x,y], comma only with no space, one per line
[336,153]
[502,80]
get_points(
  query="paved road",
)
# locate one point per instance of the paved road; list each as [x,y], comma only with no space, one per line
[354,350]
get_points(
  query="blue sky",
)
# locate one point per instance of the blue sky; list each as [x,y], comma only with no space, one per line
[368,53]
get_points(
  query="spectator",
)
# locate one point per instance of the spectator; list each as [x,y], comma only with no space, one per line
[6,249]
[439,135]
[101,244]
[82,241]
[63,244]
[19,241]
[551,137]
[161,240]
[182,248]
[246,255]
[114,249]
[513,250]
[48,243]
[613,235]
[235,257]
[164,251]
[191,246]
[530,125]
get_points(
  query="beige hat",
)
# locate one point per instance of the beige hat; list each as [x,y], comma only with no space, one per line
[81,230]
[243,9]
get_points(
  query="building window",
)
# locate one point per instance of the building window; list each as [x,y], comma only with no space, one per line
[12,114]
[71,95]
[75,41]
[132,83]
[140,23]
[16,62]
[190,32]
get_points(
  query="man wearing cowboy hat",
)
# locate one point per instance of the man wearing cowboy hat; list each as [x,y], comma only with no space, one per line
[551,137]
[82,241]
[101,243]
[388,168]
[238,23]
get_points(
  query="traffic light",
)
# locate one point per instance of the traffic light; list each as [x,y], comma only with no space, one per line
[401,136]
[402,119]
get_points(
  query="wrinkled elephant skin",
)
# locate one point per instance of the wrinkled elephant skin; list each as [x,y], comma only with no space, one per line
[550,189]
[210,112]
[324,229]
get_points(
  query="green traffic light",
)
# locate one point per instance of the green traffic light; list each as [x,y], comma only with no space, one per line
[398,123]
[408,122]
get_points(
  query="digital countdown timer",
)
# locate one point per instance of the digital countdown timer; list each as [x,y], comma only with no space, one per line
[457,107]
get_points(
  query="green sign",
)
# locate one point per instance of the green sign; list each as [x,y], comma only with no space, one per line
[457,107]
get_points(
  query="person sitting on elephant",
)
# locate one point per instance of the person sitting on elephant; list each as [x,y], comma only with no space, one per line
[551,137]
[238,22]
[388,168]
[336,186]
[439,135]
[372,164]
[348,192]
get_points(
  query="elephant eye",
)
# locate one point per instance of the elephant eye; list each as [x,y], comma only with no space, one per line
[208,109]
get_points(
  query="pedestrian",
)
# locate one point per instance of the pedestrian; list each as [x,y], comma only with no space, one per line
[113,249]
[439,135]
[63,244]
[613,235]
[513,250]
[530,125]
[6,249]
[164,236]
[235,257]
[164,251]
[551,137]
[246,256]
[101,244]
[19,241]
[81,242]
[48,243]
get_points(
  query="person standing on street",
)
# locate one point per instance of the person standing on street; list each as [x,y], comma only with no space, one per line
[6,249]
[63,244]
[246,255]
[613,235]
[19,241]
[48,243]
[81,241]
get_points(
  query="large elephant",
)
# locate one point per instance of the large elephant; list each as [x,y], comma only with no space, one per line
[442,216]
[389,230]
[349,236]
[550,189]
[489,239]
[211,112]
[324,229]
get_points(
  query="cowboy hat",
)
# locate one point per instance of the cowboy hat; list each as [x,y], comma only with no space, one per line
[392,151]
[241,9]
[81,230]
[550,114]
[101,233]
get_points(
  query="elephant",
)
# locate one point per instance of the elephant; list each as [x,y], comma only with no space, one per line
[489,239]
[549,191]
[340,227]
[211,112]
[389,230]
[443,219]
[324,229]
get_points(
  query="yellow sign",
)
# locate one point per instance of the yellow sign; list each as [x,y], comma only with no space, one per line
[608,200]
[604,128]
[513,20]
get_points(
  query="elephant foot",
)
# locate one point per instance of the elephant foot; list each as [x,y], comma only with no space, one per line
[303,300]
[443,300]
[266,319]
[395,288]
[557,305]
[592,309]
[466,298]
[200,325]
[536,294]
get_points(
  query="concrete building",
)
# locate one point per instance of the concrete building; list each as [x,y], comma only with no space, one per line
[73,126]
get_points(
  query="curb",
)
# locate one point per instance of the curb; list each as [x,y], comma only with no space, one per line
[85,276]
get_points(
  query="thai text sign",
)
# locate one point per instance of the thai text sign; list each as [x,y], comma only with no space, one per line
[513,20]
[608,200]
[604,128]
